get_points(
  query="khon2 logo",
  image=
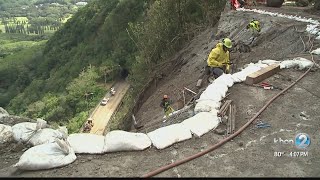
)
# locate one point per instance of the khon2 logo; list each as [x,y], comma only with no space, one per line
[302,140]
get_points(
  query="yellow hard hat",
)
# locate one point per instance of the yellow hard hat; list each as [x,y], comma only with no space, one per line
[227,42]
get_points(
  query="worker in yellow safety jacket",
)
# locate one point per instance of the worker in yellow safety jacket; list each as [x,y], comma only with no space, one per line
[254,25]
[166,105]
[219,59]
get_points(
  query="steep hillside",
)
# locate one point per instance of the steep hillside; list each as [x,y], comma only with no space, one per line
[102,40]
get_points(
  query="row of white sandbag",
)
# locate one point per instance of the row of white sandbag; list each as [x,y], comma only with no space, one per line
[31,133]
[115,141]
[209,100]
[60,152]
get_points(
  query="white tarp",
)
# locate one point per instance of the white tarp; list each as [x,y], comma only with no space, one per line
[202,123]
[166,136]
[6,134]
[86,143]
[23,132]
[116,141]
[46,156]
[48,135]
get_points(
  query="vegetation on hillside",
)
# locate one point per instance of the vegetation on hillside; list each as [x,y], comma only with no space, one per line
[106,35]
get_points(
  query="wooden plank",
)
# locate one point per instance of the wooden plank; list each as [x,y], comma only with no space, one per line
[224,108]
[233,118]
[262,74]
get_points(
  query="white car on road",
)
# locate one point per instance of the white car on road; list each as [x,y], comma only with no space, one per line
[104,101]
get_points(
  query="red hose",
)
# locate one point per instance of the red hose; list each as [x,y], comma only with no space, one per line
[169,166]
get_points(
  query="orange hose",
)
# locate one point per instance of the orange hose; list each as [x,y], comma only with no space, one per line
[169,166]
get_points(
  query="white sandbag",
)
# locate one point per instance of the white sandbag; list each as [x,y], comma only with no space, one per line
[225,79]
[6,134]
[86,143]
[299,62]
[23,132]
[215,92]
[206,106]
[303,63]
[316,51]
[116,141]
[269,62]
[47,135]
[242,75]
[202,123]
[3,113]
[166,136]
[46,156]
[288,64]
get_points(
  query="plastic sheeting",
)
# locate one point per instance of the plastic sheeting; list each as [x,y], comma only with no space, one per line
[6,134]
[166,136]
[202,123]
[116,141]
[47,156]
[86,143]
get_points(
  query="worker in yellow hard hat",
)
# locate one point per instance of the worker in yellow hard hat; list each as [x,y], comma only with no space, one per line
[166,105]
[254,25]
[218,61]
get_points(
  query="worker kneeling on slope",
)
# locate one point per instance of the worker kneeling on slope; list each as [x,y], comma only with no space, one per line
[166,105]
[218,61]
[254,25]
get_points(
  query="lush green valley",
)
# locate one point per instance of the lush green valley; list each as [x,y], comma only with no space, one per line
[51,79]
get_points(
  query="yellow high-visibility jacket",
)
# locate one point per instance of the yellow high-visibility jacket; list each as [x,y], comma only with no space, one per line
[255,25]
[218,57]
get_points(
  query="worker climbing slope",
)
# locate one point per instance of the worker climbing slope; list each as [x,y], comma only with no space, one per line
[219,59]
[254,27]
[166,105]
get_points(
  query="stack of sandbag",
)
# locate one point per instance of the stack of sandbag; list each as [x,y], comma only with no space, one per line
[6,134]
[37,133]
[202,123]
[23,132]
[48,135]
[47,156]
[166,136]
[116,141]
[86,143]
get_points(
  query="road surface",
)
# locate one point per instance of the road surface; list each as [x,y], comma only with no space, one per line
[102,114]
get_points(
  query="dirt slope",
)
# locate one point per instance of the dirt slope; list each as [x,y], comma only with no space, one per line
[248,155]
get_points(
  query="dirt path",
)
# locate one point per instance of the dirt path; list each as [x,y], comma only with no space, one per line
[102,114]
